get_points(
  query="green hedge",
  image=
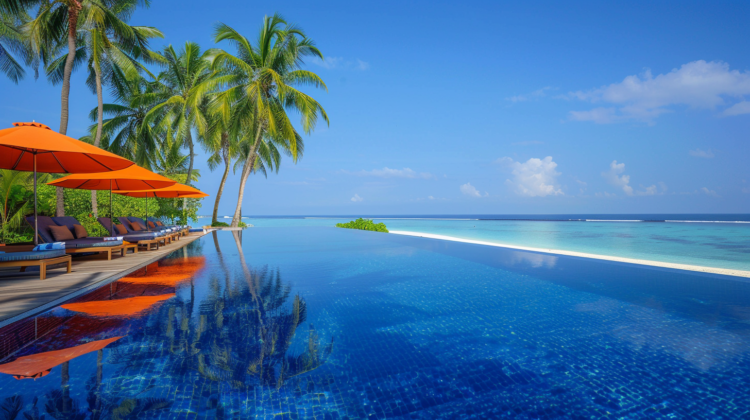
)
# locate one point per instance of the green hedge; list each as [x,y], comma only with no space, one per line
[78,205]
[364,224]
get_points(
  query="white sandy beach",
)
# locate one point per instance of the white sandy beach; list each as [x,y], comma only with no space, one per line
[713,270]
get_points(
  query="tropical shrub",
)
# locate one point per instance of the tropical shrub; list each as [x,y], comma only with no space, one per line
[219,224]
[364,224]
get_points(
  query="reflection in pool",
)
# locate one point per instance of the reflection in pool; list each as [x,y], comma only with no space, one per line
[325,323]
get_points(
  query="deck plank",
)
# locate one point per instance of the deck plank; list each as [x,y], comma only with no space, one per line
[23,294]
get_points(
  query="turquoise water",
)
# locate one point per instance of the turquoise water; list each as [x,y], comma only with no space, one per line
[721,245]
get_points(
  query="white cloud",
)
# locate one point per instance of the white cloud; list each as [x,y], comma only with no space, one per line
[698,84]
[708,154]
[616,177]
[738,109]
[711,193]
[393,173]
[533,178]
[526,97]
[468,189]
[605,194]
[362,65]
[332,63]
[357,198]
[430,198]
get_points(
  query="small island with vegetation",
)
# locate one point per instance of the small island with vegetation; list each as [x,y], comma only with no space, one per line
[364,224]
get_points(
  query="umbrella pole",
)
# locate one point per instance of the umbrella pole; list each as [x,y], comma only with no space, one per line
[36,228]
[111,216]
[148,228]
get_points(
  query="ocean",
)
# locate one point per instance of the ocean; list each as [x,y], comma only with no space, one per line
[711,240]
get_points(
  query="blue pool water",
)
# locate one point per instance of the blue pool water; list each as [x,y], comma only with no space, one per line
[290,323]
[711,240]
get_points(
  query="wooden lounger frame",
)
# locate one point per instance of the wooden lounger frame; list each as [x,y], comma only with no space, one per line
[148,243]
[98,249]
[41,263]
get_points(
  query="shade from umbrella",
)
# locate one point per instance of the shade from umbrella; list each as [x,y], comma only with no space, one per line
[132,178]
[40,364]
[120,308]
[34,147]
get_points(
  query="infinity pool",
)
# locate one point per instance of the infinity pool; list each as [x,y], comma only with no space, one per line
[325,323]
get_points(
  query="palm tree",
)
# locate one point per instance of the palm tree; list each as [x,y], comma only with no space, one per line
[130,44]
[223,144]
[186,82]
[262,80]
[12,41]
[58,22]
[125,131]
[170,162]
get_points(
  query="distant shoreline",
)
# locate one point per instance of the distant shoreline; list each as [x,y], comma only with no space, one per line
[687,267]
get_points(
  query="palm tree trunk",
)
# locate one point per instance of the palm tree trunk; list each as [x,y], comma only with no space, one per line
[215,217]
[73,10]
[99,123]
[189,139]
[246,171]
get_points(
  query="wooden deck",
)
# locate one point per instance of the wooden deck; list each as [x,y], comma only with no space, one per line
[23,294]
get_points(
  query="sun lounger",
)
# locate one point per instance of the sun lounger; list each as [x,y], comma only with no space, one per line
[130,237]
[182,229]
[149,240]
[41,259]
[173,234]
[129,225]
[73,246]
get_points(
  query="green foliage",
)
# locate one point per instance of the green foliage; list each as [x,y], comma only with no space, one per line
[219,224]
[14,202]
[262,80]
[242,224]
[364,224]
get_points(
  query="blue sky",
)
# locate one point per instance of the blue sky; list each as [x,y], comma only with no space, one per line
[490,107]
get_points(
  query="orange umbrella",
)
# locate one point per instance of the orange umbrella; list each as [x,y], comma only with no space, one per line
[35,147]
[132,178]
[25,143]
[174,191]
[40,364]
[128,307]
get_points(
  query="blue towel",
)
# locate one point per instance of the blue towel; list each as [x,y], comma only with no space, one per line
[47,247]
